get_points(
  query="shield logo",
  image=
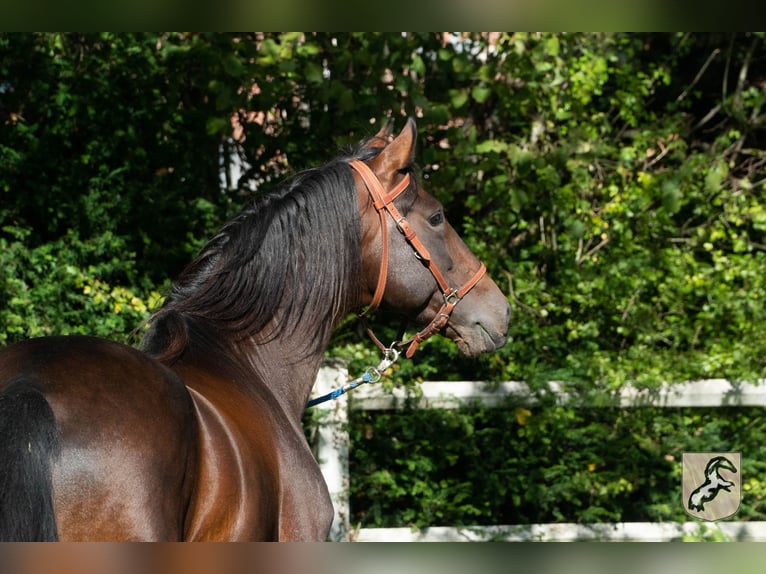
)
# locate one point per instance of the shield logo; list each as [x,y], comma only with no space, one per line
[711,484]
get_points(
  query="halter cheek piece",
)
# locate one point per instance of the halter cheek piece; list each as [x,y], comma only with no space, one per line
[384,203]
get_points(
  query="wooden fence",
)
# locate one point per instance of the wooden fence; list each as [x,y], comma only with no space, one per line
[333,447]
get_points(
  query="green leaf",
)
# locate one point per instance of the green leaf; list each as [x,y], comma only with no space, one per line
[492,146]
[217,125]
[552,45]
[232,65]
[480,94]
[313,73]
[417,65]
[458,98]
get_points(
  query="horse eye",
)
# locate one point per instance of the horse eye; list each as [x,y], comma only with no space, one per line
[436,219]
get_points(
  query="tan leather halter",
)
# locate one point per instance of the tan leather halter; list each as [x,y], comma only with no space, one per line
[384,203]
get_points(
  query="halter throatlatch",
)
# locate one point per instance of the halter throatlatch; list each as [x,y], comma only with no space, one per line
[384,203]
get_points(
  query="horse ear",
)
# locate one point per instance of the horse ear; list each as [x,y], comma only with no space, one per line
[383,137]
[399,154]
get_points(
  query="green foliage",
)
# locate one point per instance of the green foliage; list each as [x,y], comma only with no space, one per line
[612,183]
[103,133]
[517,465]
[50,290]
[628,239]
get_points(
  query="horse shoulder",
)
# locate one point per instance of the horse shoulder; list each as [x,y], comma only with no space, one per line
[256,477]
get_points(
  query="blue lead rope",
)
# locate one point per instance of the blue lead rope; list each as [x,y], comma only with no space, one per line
[371,375]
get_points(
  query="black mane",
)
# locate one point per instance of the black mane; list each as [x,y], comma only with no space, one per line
[292,256]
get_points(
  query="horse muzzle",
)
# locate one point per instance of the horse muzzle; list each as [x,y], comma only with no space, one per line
[479,324]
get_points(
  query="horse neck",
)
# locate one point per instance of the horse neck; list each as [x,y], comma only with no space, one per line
[305,275]
[286,367]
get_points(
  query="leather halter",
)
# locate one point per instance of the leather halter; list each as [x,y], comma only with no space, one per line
[384,203]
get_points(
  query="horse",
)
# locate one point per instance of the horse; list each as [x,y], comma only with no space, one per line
[713,484]
[196,433]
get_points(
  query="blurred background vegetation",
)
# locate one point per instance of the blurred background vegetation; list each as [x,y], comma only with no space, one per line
[613,183]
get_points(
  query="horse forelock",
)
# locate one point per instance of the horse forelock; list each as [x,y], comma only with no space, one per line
[290,258]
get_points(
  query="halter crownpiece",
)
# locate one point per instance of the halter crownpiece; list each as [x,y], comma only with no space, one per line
[384,203]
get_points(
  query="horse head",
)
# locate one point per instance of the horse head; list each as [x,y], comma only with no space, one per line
[414,262]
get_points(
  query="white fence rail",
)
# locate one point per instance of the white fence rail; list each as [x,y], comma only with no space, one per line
[333,445]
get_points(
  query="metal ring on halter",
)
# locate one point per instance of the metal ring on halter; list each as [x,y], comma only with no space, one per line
[452,296]
[371,375]
[391,354]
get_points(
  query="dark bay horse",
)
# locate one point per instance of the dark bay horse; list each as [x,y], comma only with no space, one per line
[198,435]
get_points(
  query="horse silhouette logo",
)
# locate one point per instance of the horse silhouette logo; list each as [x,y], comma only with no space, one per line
[711,484]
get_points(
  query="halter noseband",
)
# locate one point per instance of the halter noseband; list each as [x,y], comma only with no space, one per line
[384,203]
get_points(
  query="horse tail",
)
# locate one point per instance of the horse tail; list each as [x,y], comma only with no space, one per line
[29,440]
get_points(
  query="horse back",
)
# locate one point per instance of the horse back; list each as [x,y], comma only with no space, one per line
[125,431]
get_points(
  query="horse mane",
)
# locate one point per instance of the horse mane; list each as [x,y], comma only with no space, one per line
[291,256]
